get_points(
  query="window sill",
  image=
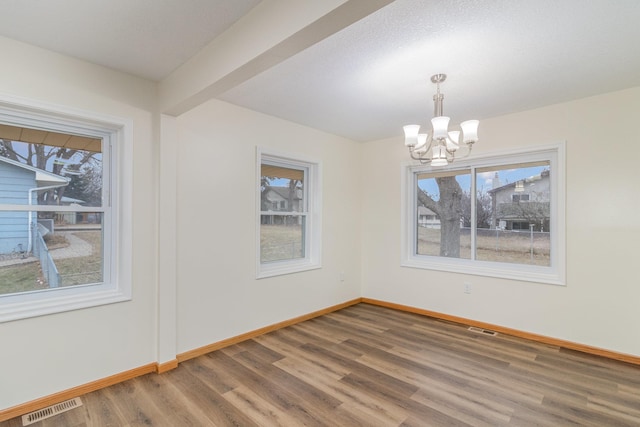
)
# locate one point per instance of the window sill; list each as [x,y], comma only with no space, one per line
[287,267]
[41,303]
[545,275]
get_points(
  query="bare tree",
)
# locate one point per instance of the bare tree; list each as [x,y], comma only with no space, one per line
[39,156]
[449,210]
[483,209]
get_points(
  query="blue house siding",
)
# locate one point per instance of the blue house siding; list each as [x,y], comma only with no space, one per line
[15,183]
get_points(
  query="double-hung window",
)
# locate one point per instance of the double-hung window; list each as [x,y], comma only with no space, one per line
[288,214]
[62,210]
[498,215]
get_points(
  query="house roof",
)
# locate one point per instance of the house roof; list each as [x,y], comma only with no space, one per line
[543,174]
[283,192]
[422,210]
[43,178]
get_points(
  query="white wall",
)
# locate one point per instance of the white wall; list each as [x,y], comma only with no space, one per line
[48,354]
[599,305]
[218,295]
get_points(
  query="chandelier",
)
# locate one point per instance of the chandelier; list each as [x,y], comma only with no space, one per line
[439,147]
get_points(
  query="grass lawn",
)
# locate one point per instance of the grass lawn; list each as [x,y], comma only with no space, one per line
[21,278]
[73,271]
[280,242]
[510,247]
[83,270]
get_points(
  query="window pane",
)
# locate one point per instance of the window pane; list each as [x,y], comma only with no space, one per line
[66,172]
[282,237]
[282,189]
[513,214]
[444,212]
[49,250]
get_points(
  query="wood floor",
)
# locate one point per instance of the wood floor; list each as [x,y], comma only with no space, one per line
[372,366]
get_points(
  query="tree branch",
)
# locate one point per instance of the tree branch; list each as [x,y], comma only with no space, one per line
[426,201]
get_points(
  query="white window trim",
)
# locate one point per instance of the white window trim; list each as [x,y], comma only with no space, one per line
[313,195]
[117,134]
[555,274]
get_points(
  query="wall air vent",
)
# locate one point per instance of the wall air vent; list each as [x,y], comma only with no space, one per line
[50,411]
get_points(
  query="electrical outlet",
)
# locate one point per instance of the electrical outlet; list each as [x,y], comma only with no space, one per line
[466,287]
[342,276]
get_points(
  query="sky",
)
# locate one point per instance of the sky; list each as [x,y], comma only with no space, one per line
[485,179]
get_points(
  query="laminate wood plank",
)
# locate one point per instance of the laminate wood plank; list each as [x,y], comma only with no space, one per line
[444,392]
[134,406]
[623,408]
[277,394]
[174,409]
[580,415]
[430,415]
[218,410]
[350,397]
[466,413]
[362,325]
[498,347]
[349,332]
[385,381]
[486,381]
[315,328]
[219,380]
[262,412]
[369,365]
[101,410]
[306,392]
[308,359]
[629,391]
[590,366]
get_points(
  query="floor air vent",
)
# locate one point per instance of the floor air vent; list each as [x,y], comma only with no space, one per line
[50,411]
[483,331]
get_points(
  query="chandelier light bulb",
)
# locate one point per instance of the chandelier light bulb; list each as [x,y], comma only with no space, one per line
[470,131]
[440,127]
[411,135]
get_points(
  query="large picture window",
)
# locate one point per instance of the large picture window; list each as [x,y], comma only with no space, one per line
[60,211]
[288,201]
[500,216]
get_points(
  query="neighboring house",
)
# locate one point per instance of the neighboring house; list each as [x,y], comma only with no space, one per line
[280,199]
[74,217]
[520,204]
[427,218]
[20,184]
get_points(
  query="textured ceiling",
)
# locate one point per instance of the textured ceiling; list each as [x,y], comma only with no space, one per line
[500,56]
[368,80]
[148,38]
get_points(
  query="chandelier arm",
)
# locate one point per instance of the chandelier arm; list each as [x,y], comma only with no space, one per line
[420,157]
[451,156]
[469,145]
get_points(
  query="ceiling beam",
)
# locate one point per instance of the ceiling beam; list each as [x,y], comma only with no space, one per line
[256,43]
